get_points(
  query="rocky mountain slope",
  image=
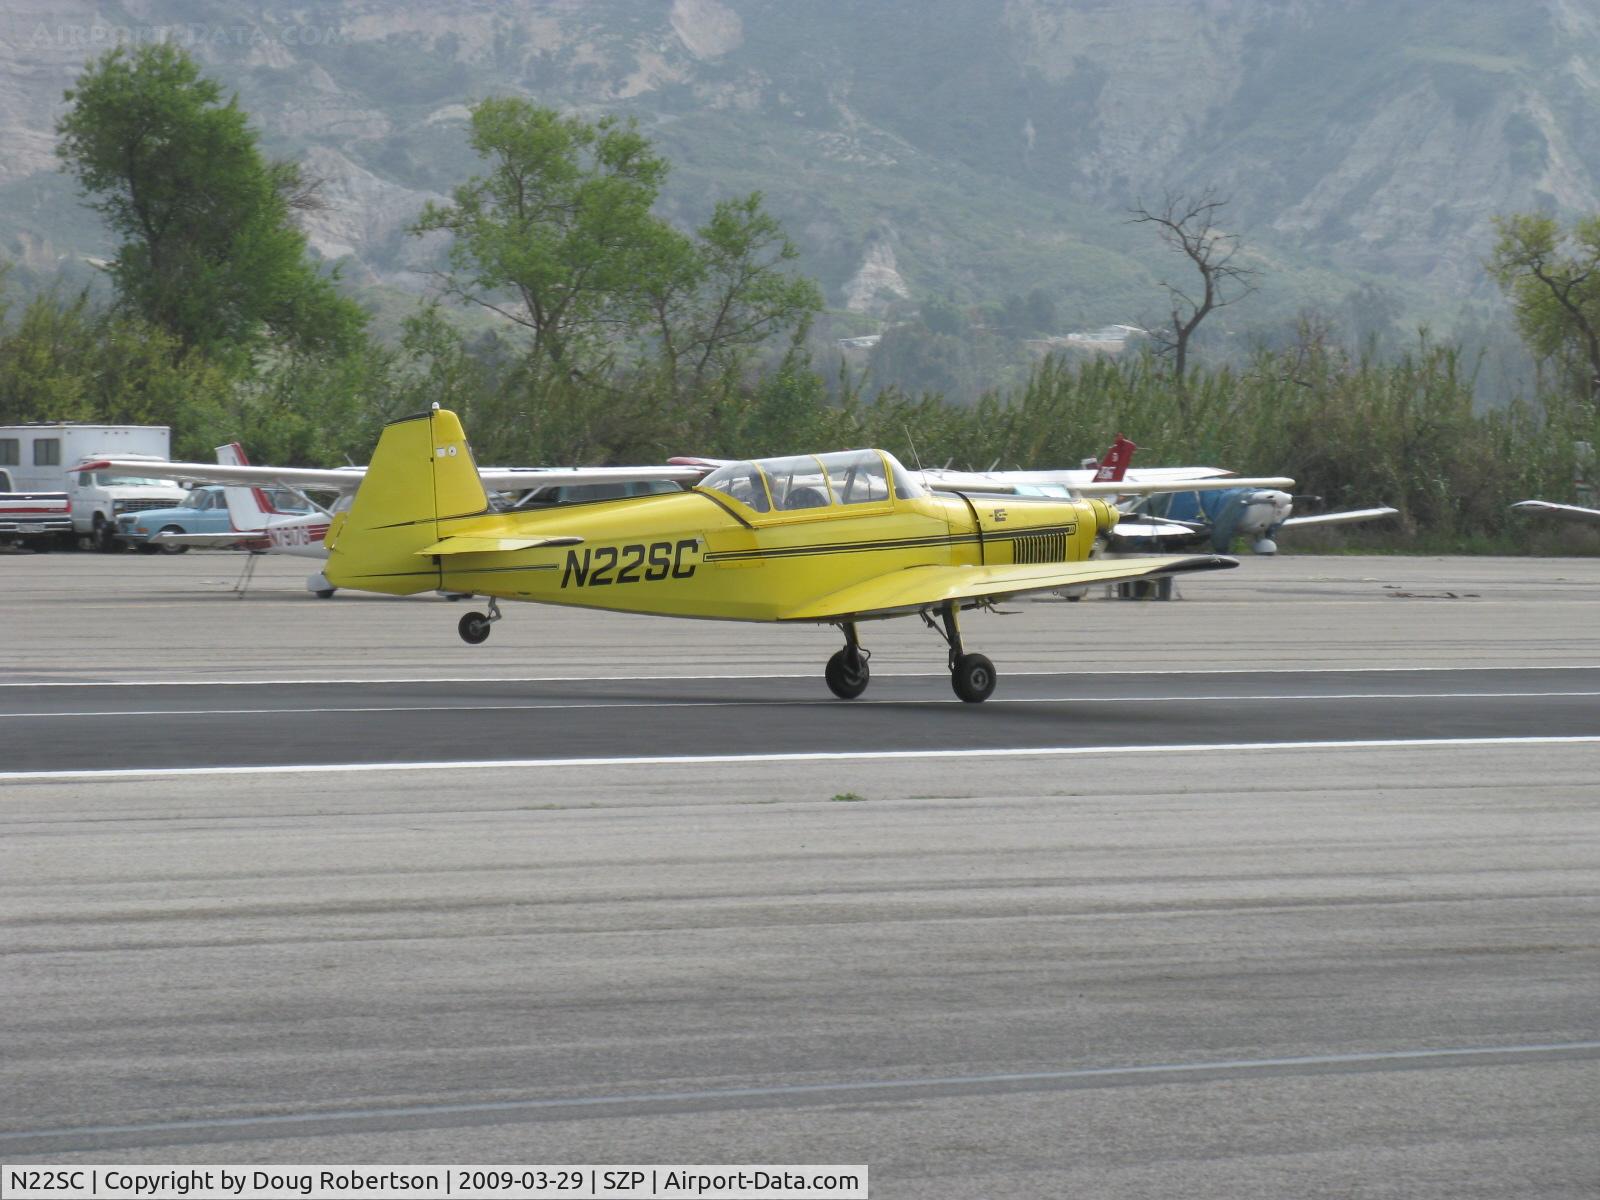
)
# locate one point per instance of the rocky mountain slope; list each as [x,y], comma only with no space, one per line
[913,147]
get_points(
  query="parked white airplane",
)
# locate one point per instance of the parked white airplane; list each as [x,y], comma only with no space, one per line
[1220,515]
[261,528]
[1217,508]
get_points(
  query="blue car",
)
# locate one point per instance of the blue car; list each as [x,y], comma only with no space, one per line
[205,511]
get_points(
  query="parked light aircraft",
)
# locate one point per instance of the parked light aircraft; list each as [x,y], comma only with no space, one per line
[259,526]
[1214,508]
[1216,517]
[833,539]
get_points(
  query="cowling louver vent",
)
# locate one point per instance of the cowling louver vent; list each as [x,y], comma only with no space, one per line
[1040,548]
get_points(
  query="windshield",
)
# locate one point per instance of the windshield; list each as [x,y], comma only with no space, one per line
[796,483]
[285,501]
[743,482]
[905,485]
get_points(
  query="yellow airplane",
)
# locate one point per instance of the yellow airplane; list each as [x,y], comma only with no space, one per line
[826,539]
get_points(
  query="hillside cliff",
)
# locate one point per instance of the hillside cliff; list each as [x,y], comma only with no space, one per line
[911,146]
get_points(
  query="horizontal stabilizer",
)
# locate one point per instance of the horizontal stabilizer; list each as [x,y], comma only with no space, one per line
[491,545]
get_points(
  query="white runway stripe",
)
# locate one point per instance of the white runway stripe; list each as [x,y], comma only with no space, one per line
[1082,1076]
[793,702]
[592,678]
[794,757]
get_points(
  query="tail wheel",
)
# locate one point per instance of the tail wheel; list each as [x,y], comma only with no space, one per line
[973,678]
[473,628]
[847,674]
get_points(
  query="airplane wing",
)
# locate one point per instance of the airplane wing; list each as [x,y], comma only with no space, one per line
[1074,477]
[344,479]
[926,587]
[1156,527]
[524,479]
[488,545]
[1344,518]
[347,479]
[1148,487]
[1570,512]
[956,481]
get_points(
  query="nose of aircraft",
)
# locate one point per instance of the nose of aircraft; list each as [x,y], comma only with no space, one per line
[1105,516]
[1264,510]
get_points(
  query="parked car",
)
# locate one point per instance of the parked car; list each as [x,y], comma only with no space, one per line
[205,511]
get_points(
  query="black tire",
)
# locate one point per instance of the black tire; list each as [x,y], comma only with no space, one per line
[473,628]
[325,594]
[167,548]
[105,537]
[847,674]
[973,678]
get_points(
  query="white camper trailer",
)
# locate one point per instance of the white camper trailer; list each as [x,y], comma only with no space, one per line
[41,458]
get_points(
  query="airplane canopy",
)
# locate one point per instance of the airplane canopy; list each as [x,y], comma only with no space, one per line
[847,477]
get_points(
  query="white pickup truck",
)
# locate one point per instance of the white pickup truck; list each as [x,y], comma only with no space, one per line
[38,520]
[44,456]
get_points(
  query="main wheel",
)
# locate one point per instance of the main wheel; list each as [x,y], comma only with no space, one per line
[973,678]
[473,628]
[847,674]
[327,594]
[170,547]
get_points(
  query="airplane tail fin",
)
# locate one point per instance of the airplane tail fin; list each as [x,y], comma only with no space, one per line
[248,507]
[422,473]
[1115,463]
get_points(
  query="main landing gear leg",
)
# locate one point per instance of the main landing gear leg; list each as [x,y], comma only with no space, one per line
[474,626]
[847,672]
[971,675]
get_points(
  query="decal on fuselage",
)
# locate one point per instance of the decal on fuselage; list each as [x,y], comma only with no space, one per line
[635,562]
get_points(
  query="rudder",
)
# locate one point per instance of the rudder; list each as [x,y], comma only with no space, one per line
[422,472]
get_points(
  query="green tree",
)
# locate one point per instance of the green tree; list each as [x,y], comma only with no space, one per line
[209,251]
[66,360]
[1553,278]
[716,300]
[559,236]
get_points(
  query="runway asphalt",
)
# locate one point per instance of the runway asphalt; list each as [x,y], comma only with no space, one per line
[141,727]
[1290,888]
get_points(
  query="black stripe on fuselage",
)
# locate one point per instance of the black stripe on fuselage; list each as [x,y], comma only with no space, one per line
[943,539]
[725,508]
